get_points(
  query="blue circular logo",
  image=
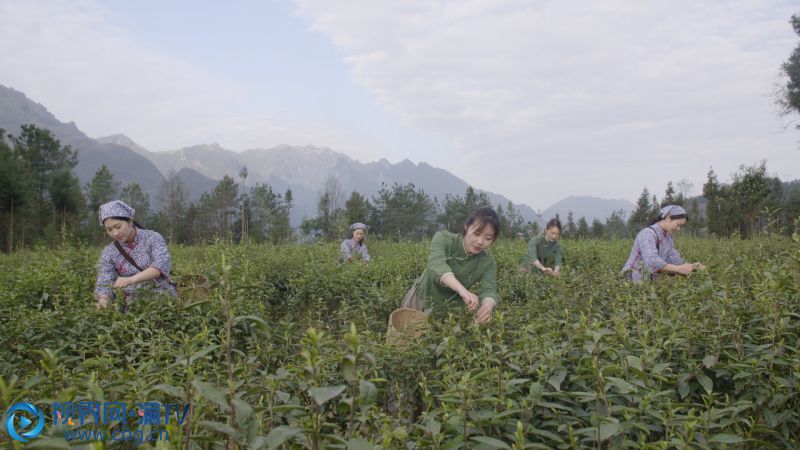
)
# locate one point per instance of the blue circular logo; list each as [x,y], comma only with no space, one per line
[24,422]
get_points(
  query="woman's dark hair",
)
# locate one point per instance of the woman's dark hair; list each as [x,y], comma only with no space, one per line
[482,217]
[126,219]
[553,223]
[673,217]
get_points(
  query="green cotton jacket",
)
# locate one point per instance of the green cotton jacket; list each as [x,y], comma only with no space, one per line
[548,253]
[448,256]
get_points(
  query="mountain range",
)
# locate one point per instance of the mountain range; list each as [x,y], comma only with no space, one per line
[303,169]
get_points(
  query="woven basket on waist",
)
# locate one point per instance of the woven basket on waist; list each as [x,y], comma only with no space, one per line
[406,325]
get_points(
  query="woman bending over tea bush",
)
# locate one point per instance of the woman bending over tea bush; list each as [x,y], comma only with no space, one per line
[544,252]
[354,247]
[136,258]
[456,263]
[653,254]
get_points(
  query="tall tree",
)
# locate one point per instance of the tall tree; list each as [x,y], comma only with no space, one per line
[12,190]
[684,190]
[641,214]
[100,190]
[225,202]
[283,228]
[583,228]
[695,221]
[669,196]
[750,189]
[245,204]
[511,221]
[404,212]
[38,157]
[356,208]
[42,155]
[615,225]
[711,192]
[789,95]
[218,211]
[597,228]
[133,195]
[792,206]
[333,188]
[570,229]
[456,209]
[270,215]
[330,209]
[173,198]
[66,200]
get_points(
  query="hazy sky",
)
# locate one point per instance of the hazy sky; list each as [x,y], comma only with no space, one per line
[535,100]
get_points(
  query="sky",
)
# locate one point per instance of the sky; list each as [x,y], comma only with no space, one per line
[534,100]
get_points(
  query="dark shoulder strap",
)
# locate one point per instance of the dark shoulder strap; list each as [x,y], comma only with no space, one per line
[657,241]
[126,255]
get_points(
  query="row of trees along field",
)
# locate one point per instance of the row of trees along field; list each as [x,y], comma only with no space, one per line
[43,203]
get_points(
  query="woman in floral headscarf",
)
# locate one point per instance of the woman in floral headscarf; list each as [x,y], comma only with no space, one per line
[653,254]
[137,259]
[355,246]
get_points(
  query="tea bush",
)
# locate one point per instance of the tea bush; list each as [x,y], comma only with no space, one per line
[582,361]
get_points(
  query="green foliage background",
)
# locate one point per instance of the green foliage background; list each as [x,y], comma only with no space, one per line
[583,361]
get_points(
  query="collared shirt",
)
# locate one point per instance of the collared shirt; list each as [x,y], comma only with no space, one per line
[148,249]
[652,249]
[350,248]
[448,256]
[546,252]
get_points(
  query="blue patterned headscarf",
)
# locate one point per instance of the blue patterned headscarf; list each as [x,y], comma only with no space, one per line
[358,225]
[671,210]
[115,208]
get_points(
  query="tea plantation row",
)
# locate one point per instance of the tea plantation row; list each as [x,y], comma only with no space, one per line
[289,350]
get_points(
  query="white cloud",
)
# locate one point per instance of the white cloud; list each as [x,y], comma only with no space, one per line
[545,99]
[70,57]
[534,100]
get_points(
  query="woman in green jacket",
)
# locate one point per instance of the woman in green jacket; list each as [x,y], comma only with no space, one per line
[544,252]
[456,263]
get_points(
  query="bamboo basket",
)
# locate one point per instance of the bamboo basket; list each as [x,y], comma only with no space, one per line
[406,325]
[193,286]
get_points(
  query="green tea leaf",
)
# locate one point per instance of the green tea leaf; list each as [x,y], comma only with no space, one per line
[683,389]
[704,381]
[168,389]
[726,438]
[635,362]
[491,442]
[608,429]
[359,444]
[212,393]
[218,427]
[256,319]
[348,369]
[281,434]
[243,409]
[322,395]
[367,394]
[556,379]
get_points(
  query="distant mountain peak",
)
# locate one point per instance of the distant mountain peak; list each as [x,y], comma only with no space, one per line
[125,141]
[585,206]
[212,147]
[304,169]
[127,165]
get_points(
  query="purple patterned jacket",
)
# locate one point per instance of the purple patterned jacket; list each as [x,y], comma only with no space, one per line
[652,250]
[148,249]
